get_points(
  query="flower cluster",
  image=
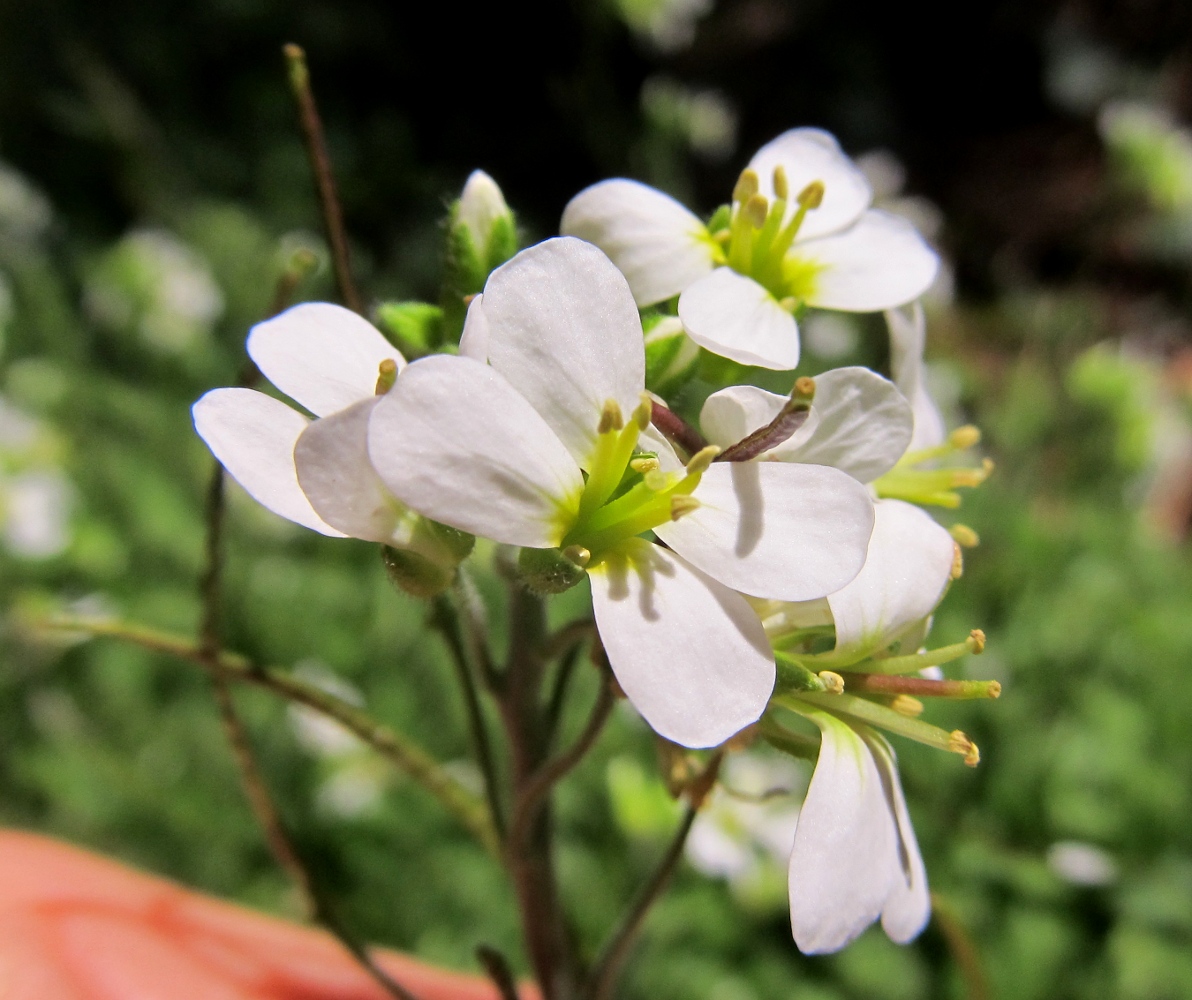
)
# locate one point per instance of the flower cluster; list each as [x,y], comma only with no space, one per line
[760,561]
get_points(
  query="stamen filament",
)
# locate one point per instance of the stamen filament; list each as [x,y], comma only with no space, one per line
[975,644]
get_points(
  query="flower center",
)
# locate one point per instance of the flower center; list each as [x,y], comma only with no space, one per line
[755,236]
[626,492]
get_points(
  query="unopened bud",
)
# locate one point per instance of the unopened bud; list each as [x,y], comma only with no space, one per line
[386,376]
[549,571]
[904,704]
[812,196]
[747,186]
[965,536]
[756,209]
[481,205]
[833,682]
[681,505]
[781,188]
[702,460]
[976,641]
[965,437]
[611,418]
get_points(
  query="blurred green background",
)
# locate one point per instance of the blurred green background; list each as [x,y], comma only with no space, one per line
[152,186]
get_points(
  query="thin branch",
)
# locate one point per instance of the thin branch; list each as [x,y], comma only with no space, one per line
[677,430]
[616,950]
[397,748]
[475,628]
[963,949]
[497,967]
[525,810]
[320,162]
[446,619]
[558,694]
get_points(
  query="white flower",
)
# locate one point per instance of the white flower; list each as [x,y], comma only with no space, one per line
[315,473]
[799,231]
[855,856]
[497,449]
[861,424]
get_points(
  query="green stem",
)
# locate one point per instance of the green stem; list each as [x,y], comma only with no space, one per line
[397,748]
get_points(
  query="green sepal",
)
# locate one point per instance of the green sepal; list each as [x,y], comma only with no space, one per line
[548,571]
[416,574]
[415,326]
[721,219]
[793,676]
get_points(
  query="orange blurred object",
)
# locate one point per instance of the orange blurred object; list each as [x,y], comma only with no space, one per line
[76,926]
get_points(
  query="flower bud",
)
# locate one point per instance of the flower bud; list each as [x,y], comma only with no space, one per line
[549,571]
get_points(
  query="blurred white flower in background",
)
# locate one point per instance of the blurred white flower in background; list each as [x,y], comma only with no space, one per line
[1081,864]
[35,494]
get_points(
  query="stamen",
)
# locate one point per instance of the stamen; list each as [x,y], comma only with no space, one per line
[959,743]
[967,436]
[957,570]
[833,682]
[976,640]
[611,418]
[681,505]
[920,687]
[747,186]
[904,704]
[386,376]
[702,460]
[643,411]
[756,209]
[781,188]
[644,465]
[975,643]
[656,480]
[811,196]
[965,536]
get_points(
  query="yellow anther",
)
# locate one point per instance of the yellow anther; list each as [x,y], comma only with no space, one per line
[972,477]
[643,411]
[959,743]
[681,505]
[904,704]
[811,196]
[656,480]
[790,303]
[976,641]
[611,418]
[702,460]
[781,188]
[644,464]
[756,209]
[747,186]
[957,561]
[965,437]
[994,689]
[386,376]
[578,555]
[965,536]
[833,682]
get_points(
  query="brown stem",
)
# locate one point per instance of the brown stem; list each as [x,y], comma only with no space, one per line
[498,971]
[525,810]
[320,162]
[963,950]
[529,858]
[446,620]
[616,950]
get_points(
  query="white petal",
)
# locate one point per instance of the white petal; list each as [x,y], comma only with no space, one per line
[690,654]
[908,907]
[473,343]
[253,437]
[879,263]
[845,859]
[735,317]
[566,334]
[810,154]
[906,571]
[659,246]
[769,529]
[859,422]
[322,356]
[908,338]
[455,441]
[334,472]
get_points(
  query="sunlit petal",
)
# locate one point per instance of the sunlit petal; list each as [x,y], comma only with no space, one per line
[322,356]
[908,338]
[659,245]
[690,654]
[733,316]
